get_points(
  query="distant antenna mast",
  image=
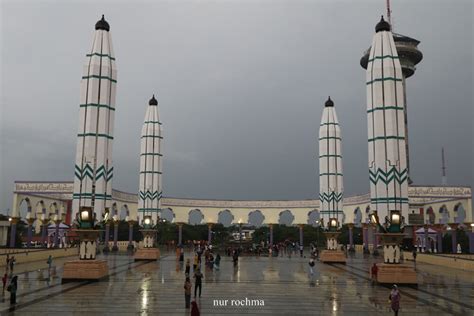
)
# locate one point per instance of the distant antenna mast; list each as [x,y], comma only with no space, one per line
[444,179]
[389,14]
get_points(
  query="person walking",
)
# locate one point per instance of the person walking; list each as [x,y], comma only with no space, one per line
[12,263]
[12,288]
[198,282]
[4,281]
[187,292]
[217,262]
[395,299]
[235,258]
[373,273]
[196,262]
[49,262]
[311,265]
[188,267]
[414,256]
[195,309]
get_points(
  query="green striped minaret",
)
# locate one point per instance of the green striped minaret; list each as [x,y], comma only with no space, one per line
[386,126]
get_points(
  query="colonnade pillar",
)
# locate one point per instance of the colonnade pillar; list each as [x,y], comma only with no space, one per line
[351,236]
[13,224]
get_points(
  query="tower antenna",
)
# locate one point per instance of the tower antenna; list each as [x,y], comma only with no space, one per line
[444,179]
[389,14]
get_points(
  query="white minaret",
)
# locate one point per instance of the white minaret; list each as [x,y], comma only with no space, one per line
[386,126]
[93,169]
[150,164]
[330,165]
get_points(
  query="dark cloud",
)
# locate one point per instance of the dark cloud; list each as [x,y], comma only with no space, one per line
[241,86]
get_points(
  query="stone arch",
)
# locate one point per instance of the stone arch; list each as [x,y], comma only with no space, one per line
[256,218]
[225,217]
[53,208]
[459,213]
[357,217]
[168,214]
[314,218]
[195,217]
[124,212]
[367,214]
[430,216]
[444,215]
[286,217]
[24,208]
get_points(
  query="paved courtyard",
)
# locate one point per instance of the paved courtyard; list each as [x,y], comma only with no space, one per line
[282,284]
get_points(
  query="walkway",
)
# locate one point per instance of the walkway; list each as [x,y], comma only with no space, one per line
[282,284]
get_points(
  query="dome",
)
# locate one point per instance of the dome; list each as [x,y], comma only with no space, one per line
[102,24]
[382,26]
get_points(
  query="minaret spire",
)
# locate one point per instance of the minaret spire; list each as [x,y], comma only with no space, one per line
[387,163]
[93,168]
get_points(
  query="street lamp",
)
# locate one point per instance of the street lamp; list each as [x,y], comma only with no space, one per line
[147,222]
[395,222]
[332,225]
[85,218]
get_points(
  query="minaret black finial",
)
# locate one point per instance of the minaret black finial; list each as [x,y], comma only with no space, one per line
[382,26]
[102,24]
[153,101]
[329,102]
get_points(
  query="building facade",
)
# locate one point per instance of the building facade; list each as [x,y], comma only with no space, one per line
[427,205]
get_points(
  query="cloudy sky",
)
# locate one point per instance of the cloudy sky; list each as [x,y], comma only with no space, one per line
[241,87]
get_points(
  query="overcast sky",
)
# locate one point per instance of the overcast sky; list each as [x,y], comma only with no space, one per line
[240,85]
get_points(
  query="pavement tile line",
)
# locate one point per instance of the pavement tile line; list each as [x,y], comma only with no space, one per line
[81,284]
[403,291]
[431,293]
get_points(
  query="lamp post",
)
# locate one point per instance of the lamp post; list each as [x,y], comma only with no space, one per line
[471,237]
[180,234]
[240,233]
[30,220]
[351,237]
[148,230]
[57,221]
[116,221]
[107,232]
[13,223]
[332,253]
[271,234]
[317,233]
[131,222]
[454,228]
[301,239]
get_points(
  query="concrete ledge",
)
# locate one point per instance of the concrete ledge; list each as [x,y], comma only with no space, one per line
[94,270]
[39,255]
[396,274]
[451,261]
[147,254]
[332,256]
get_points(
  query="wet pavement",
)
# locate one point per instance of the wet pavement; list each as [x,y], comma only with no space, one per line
[262,285]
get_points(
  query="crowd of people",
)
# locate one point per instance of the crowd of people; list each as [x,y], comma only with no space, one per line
[204,255]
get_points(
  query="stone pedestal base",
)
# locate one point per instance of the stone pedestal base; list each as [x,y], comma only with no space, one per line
[396,274]
[147,254]
[85,270]
[335,256]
